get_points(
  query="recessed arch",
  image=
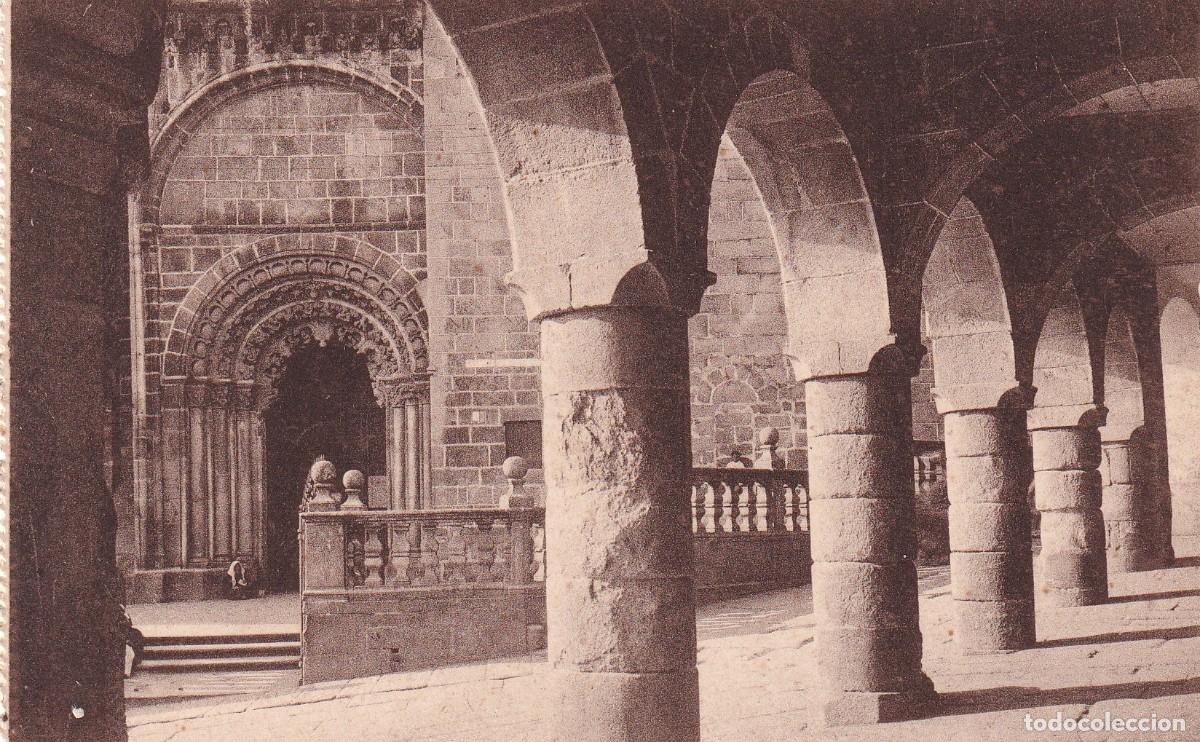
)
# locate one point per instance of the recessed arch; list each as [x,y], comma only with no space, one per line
[1062,361]
[1180,332]
[965,315]
[1122,379]
[246,301]
[823,223]
[187,118]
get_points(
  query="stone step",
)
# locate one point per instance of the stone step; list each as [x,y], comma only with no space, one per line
[238,649]
[227,638]
[214,664]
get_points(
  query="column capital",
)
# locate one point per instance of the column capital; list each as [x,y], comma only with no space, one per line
[875,357]
[196,392]
[400,391]
[1009,395]
[1067,416]
[637,278]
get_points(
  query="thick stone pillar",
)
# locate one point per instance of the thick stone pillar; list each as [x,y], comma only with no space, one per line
[1067,489]
[620,597]
[864,574]
[1127,474]
[991,556]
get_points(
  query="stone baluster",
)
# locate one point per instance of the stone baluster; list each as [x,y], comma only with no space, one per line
[399,554]
[735,507]
[718,505]
[416,564]
[515,469]
[698,495]
[372,557]
[539,553]
[352,483]
[430,557]
[502,561]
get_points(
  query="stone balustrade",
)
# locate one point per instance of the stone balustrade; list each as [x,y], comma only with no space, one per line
[399,549]
[382,590]
[764,499]
[730,501]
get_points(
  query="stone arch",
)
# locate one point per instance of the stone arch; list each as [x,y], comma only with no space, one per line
[823,223]
[1110,87]
[343,284]
[559,135]
[230,342]
[1062,360]
[186,119]
[1122,379]
[966,317]
[1180,331]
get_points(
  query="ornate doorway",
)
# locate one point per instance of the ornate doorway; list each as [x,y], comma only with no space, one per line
[288,349]
[325,406]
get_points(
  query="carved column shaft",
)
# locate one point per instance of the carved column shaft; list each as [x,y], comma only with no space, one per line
[619,586]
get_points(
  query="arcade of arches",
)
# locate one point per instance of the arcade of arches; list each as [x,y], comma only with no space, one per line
[386,232]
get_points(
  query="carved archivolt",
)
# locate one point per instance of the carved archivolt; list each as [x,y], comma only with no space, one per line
[259,317]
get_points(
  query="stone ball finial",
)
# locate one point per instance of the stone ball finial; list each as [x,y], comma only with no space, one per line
[768,436]
[353,480]
[323,472]
[514,467]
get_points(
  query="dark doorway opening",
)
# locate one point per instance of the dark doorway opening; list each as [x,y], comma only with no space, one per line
[325,407]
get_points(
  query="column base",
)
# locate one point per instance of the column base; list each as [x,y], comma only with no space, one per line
[617,706]
[843,708]
[1133,560]
[993,626]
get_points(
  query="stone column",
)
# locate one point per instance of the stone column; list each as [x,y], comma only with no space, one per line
[173,459]
[1127,473]
[426,449]
[991,556]
[864,574]
[620,597]
[219,417]
[395,454]
[1067,488]
[412,454]
[198,511]
[245,491]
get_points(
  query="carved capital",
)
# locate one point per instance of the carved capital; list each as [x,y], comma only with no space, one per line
[399,392]
[632,279]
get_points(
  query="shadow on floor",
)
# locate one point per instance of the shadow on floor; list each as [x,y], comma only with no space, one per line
[1155,596]
[1010,698]
[1178,632]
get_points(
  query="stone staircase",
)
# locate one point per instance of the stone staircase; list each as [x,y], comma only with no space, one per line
[221,652]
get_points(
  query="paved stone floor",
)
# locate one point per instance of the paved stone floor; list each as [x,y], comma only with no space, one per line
[272,612]
[1137,656]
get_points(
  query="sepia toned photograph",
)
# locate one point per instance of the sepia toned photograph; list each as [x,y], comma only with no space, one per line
[600,371]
